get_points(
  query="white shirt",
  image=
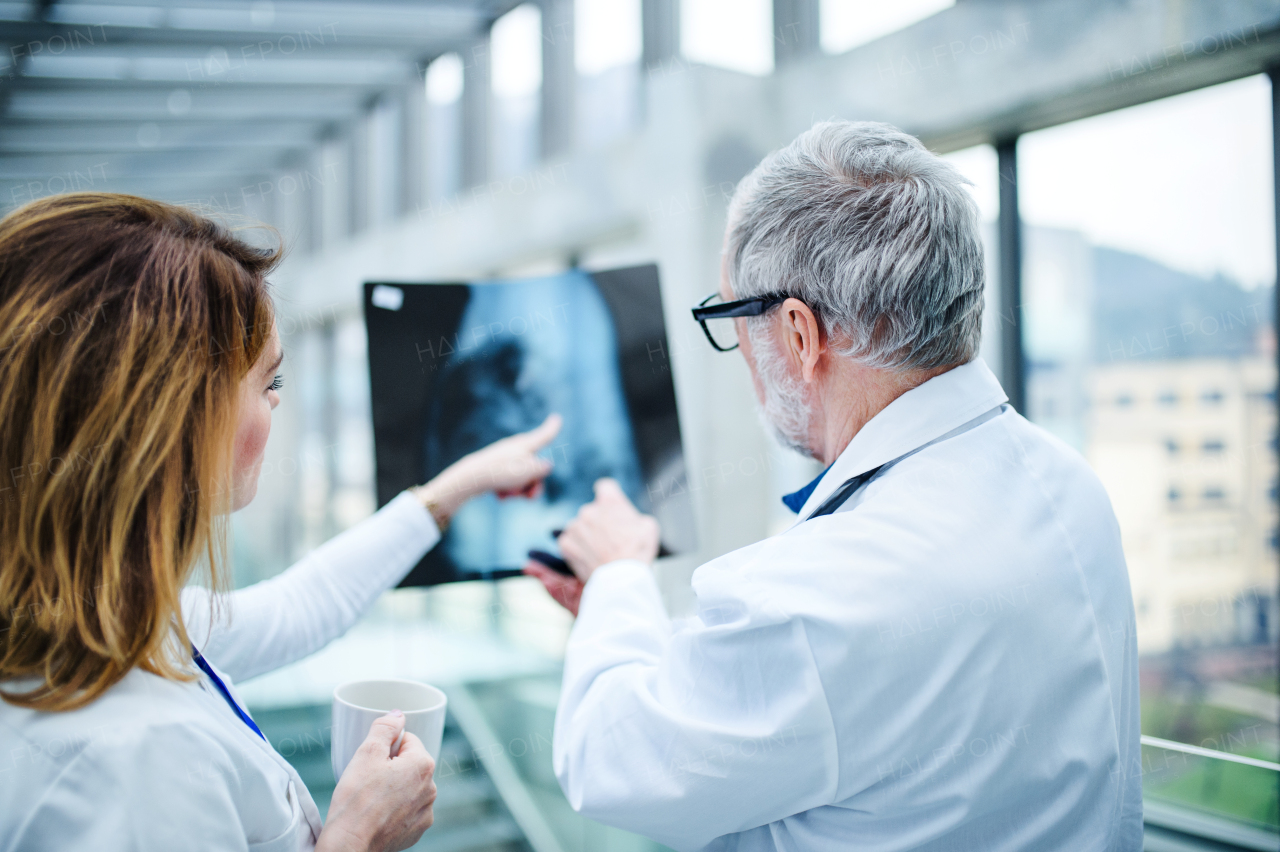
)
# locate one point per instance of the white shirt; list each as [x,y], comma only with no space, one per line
[160,765]
[946,663]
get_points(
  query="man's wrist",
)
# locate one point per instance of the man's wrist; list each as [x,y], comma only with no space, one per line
[607,578]
[619,562]
[591,572]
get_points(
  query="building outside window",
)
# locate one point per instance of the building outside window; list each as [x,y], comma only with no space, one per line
[1168,346]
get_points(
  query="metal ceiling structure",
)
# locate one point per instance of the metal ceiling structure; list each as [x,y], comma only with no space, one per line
[182,99]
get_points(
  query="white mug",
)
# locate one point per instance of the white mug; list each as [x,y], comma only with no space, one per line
[358,703]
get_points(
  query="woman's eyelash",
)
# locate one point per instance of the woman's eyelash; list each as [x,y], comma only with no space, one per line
[276,383]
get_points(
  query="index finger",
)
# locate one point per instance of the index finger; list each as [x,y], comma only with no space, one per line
[537,438]
[385,728]
[552,580]
[607,488]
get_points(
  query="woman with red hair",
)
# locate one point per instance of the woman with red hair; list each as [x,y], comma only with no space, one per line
[138,358]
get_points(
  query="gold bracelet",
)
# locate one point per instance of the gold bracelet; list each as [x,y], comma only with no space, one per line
[438,514]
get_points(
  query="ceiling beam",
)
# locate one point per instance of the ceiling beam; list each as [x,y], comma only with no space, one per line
[46,39]
[174,163]
[181,99]
[83,106]
[242,87]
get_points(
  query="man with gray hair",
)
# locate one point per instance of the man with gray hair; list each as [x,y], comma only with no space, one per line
[940,653]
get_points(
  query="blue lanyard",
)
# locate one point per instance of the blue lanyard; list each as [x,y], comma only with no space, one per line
[222,687]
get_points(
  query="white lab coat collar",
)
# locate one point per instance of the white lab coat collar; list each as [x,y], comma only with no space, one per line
[920,415]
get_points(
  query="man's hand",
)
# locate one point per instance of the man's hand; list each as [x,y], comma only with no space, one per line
[566,591]
[607,529]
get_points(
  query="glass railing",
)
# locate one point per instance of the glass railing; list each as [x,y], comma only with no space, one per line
[492,649]
[1192,792]
[497,790]
[510,724]
[470,814]
[1211,774]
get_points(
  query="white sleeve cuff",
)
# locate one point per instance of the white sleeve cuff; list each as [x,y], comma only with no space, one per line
[407,509]
[624,588]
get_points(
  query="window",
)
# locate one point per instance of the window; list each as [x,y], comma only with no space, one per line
[444,127]
[735,34]
[516,45]
[606,35]
[1100,286]
[979,166]
[381,150]
[846,25]
[607,49]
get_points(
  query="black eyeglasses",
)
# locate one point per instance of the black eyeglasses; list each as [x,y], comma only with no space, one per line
[717,319]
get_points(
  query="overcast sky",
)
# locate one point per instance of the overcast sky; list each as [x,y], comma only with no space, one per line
[1186,180]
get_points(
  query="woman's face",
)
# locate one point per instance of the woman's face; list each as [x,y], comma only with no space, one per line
[257,397]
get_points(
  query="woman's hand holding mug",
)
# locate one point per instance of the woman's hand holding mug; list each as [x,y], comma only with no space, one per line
[384,800]
[508,467]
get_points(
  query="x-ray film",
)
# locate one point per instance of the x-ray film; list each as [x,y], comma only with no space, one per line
[454,367]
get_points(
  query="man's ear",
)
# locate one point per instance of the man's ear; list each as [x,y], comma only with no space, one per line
[803,337]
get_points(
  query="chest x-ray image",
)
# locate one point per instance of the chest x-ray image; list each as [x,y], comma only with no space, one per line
[454,367]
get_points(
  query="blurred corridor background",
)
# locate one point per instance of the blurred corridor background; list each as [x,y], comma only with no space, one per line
[1122,155]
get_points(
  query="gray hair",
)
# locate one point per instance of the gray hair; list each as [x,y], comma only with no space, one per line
[872,231]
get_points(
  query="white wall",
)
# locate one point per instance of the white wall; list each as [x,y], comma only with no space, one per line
[658,196]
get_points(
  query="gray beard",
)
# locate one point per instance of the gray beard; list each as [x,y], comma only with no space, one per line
[785,412]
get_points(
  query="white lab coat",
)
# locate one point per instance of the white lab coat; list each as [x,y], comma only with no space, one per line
[160,765]
[946,663]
